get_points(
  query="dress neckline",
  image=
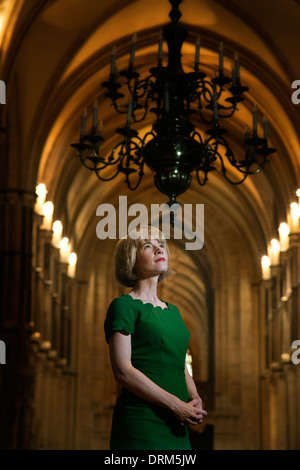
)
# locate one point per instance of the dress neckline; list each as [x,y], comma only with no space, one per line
[149,303]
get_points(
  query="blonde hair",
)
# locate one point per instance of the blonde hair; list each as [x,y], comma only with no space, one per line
[125,254]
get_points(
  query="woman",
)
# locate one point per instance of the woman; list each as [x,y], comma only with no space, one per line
[148,343]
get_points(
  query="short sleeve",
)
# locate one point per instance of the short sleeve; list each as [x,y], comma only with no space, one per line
[120,316]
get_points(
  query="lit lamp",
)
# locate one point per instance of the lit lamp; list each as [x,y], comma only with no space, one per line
[57,231]
[41,193]
[48,214]
[284,232]
[274,252]
[65,249]
[174,148]
[294,217]
[265,266]
[72,260]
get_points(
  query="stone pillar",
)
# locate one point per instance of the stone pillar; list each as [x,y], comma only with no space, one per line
[17,381]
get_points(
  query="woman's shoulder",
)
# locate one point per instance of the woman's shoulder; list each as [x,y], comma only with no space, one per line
[121,300]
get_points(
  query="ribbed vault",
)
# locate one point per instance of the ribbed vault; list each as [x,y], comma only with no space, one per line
[58,66]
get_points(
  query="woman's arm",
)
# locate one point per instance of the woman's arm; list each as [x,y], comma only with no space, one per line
[193,392]
[139,384]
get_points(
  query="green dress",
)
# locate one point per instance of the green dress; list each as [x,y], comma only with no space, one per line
[159,340]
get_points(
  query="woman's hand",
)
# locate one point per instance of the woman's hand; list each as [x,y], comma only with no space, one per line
[189,413]
[197,403]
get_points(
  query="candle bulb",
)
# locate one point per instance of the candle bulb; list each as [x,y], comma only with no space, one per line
[95,114]
[274,252]
[48,213]
[57,231]
[215,105]
[265,265]
[255,119]
[284,231]
[129,112]
[83,123]
[41,193]
[221,49]
[237,66]
[294,217]
[65,249]
[113,66]
[99,130]
[160,47]
[265,120]
[197,52]
[72,260]
[133,46]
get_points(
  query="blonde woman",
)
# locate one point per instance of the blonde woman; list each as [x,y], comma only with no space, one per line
[148,341]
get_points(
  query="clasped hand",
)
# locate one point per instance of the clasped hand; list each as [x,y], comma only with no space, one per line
[190,413]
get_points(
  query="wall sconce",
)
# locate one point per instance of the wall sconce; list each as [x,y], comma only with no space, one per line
[274,252]
[284,232]
[57,231]
[72,260]
[48,214]
[41,192]
[266,270]
[294,217]
[65,249]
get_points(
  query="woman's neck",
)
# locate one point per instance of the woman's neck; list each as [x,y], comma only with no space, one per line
[145,289]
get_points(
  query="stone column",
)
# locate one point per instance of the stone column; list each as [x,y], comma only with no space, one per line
[17,381]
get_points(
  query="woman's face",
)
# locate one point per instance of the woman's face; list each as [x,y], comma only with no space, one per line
[151,259]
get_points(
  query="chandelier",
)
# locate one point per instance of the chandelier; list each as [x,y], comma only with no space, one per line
[179,101]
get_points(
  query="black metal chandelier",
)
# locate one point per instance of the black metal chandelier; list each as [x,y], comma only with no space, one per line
[173,148]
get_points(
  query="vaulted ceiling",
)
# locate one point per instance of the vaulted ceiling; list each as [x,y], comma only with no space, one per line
[56,54]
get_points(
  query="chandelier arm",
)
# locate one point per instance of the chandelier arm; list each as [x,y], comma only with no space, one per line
[248,162]
[118,106]
[110,162]
[135,119]
[224,171]
[146,86]
[201,183]
[207,90]
[102,178]
[90,159]
[253,172]
[235,183]
[232,110]
[203,118]
[143,143]
[196,134]
[206,94]
[132,144]
[141,174]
